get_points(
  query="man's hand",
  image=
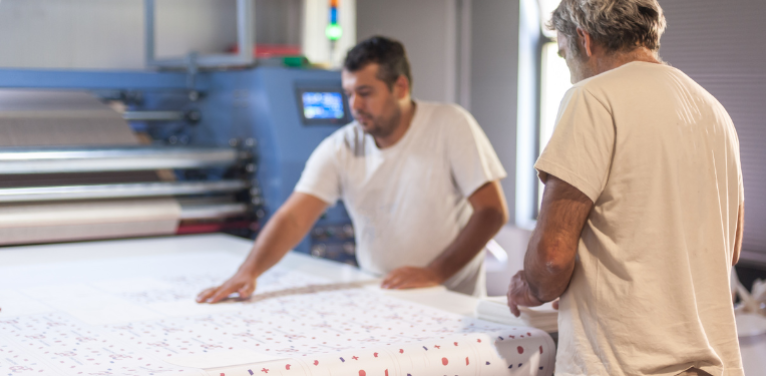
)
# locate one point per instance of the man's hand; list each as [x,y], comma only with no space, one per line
[241,283]
[519,294]
[282,232]
[410,277]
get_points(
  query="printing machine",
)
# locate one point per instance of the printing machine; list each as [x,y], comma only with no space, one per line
[236,141]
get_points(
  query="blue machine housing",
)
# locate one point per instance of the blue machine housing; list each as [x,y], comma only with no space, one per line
[262,104]
[259,104]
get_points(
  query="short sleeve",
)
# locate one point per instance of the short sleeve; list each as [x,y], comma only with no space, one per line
[321,177]
[580,149]
[471,156]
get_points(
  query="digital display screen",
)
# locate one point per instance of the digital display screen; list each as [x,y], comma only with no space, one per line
[323,105]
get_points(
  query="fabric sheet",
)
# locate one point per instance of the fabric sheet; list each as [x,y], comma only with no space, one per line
[495,309]
[136,316]
[59,118]
[33,118]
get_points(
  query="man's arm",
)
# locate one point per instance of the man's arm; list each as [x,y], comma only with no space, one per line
[740,232]
[550,258]
[282,232]
[489,215]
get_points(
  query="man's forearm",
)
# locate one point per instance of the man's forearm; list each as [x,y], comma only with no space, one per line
[550,259]
[283,232]
[548,278]
[480,229]
[276,239]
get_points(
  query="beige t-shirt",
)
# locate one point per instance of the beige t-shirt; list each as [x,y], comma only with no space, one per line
[659,157]
[408,202]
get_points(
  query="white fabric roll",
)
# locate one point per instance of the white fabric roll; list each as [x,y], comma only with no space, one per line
[30,118]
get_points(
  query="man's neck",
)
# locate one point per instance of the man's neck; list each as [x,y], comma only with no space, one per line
[619,59]
[408,112]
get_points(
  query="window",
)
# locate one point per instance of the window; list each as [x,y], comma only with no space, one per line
[543,81]
[554,82]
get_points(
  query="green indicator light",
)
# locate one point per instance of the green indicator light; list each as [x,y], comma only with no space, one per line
[333,31]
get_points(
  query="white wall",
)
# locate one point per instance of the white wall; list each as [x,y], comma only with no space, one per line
[494,74]
[279,21]
[428,31]
[109,34]
[51,33]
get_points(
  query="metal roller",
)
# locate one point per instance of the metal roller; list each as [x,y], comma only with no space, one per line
[126,190]
[101,159]
[153,115]
[212,211]
[190,116]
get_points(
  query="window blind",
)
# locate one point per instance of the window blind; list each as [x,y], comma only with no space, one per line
[720,45]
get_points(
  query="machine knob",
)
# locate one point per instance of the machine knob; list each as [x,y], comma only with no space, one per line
[193,116]
[348,230]
[349,248]
[318,250]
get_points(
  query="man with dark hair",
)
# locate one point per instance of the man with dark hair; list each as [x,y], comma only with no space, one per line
[642,213]
[420,181]
[388,54]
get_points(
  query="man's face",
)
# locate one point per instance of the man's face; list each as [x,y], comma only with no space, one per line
[576,60]
[374,106]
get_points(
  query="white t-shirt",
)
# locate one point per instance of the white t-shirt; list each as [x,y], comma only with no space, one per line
[408,201]
[659,157]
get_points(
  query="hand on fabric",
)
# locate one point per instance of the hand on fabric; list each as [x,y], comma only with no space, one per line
[410,277]
[519,294]
[241,283]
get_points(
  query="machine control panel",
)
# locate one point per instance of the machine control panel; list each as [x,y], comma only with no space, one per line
[322,105]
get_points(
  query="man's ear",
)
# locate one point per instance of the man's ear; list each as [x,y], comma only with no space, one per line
[401,87]
[586,42]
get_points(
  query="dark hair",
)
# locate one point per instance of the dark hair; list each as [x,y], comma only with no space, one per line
[388,53]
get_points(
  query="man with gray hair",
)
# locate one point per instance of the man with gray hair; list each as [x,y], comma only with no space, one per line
[642,213]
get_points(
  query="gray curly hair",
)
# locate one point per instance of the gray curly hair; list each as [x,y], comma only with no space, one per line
[618,25]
